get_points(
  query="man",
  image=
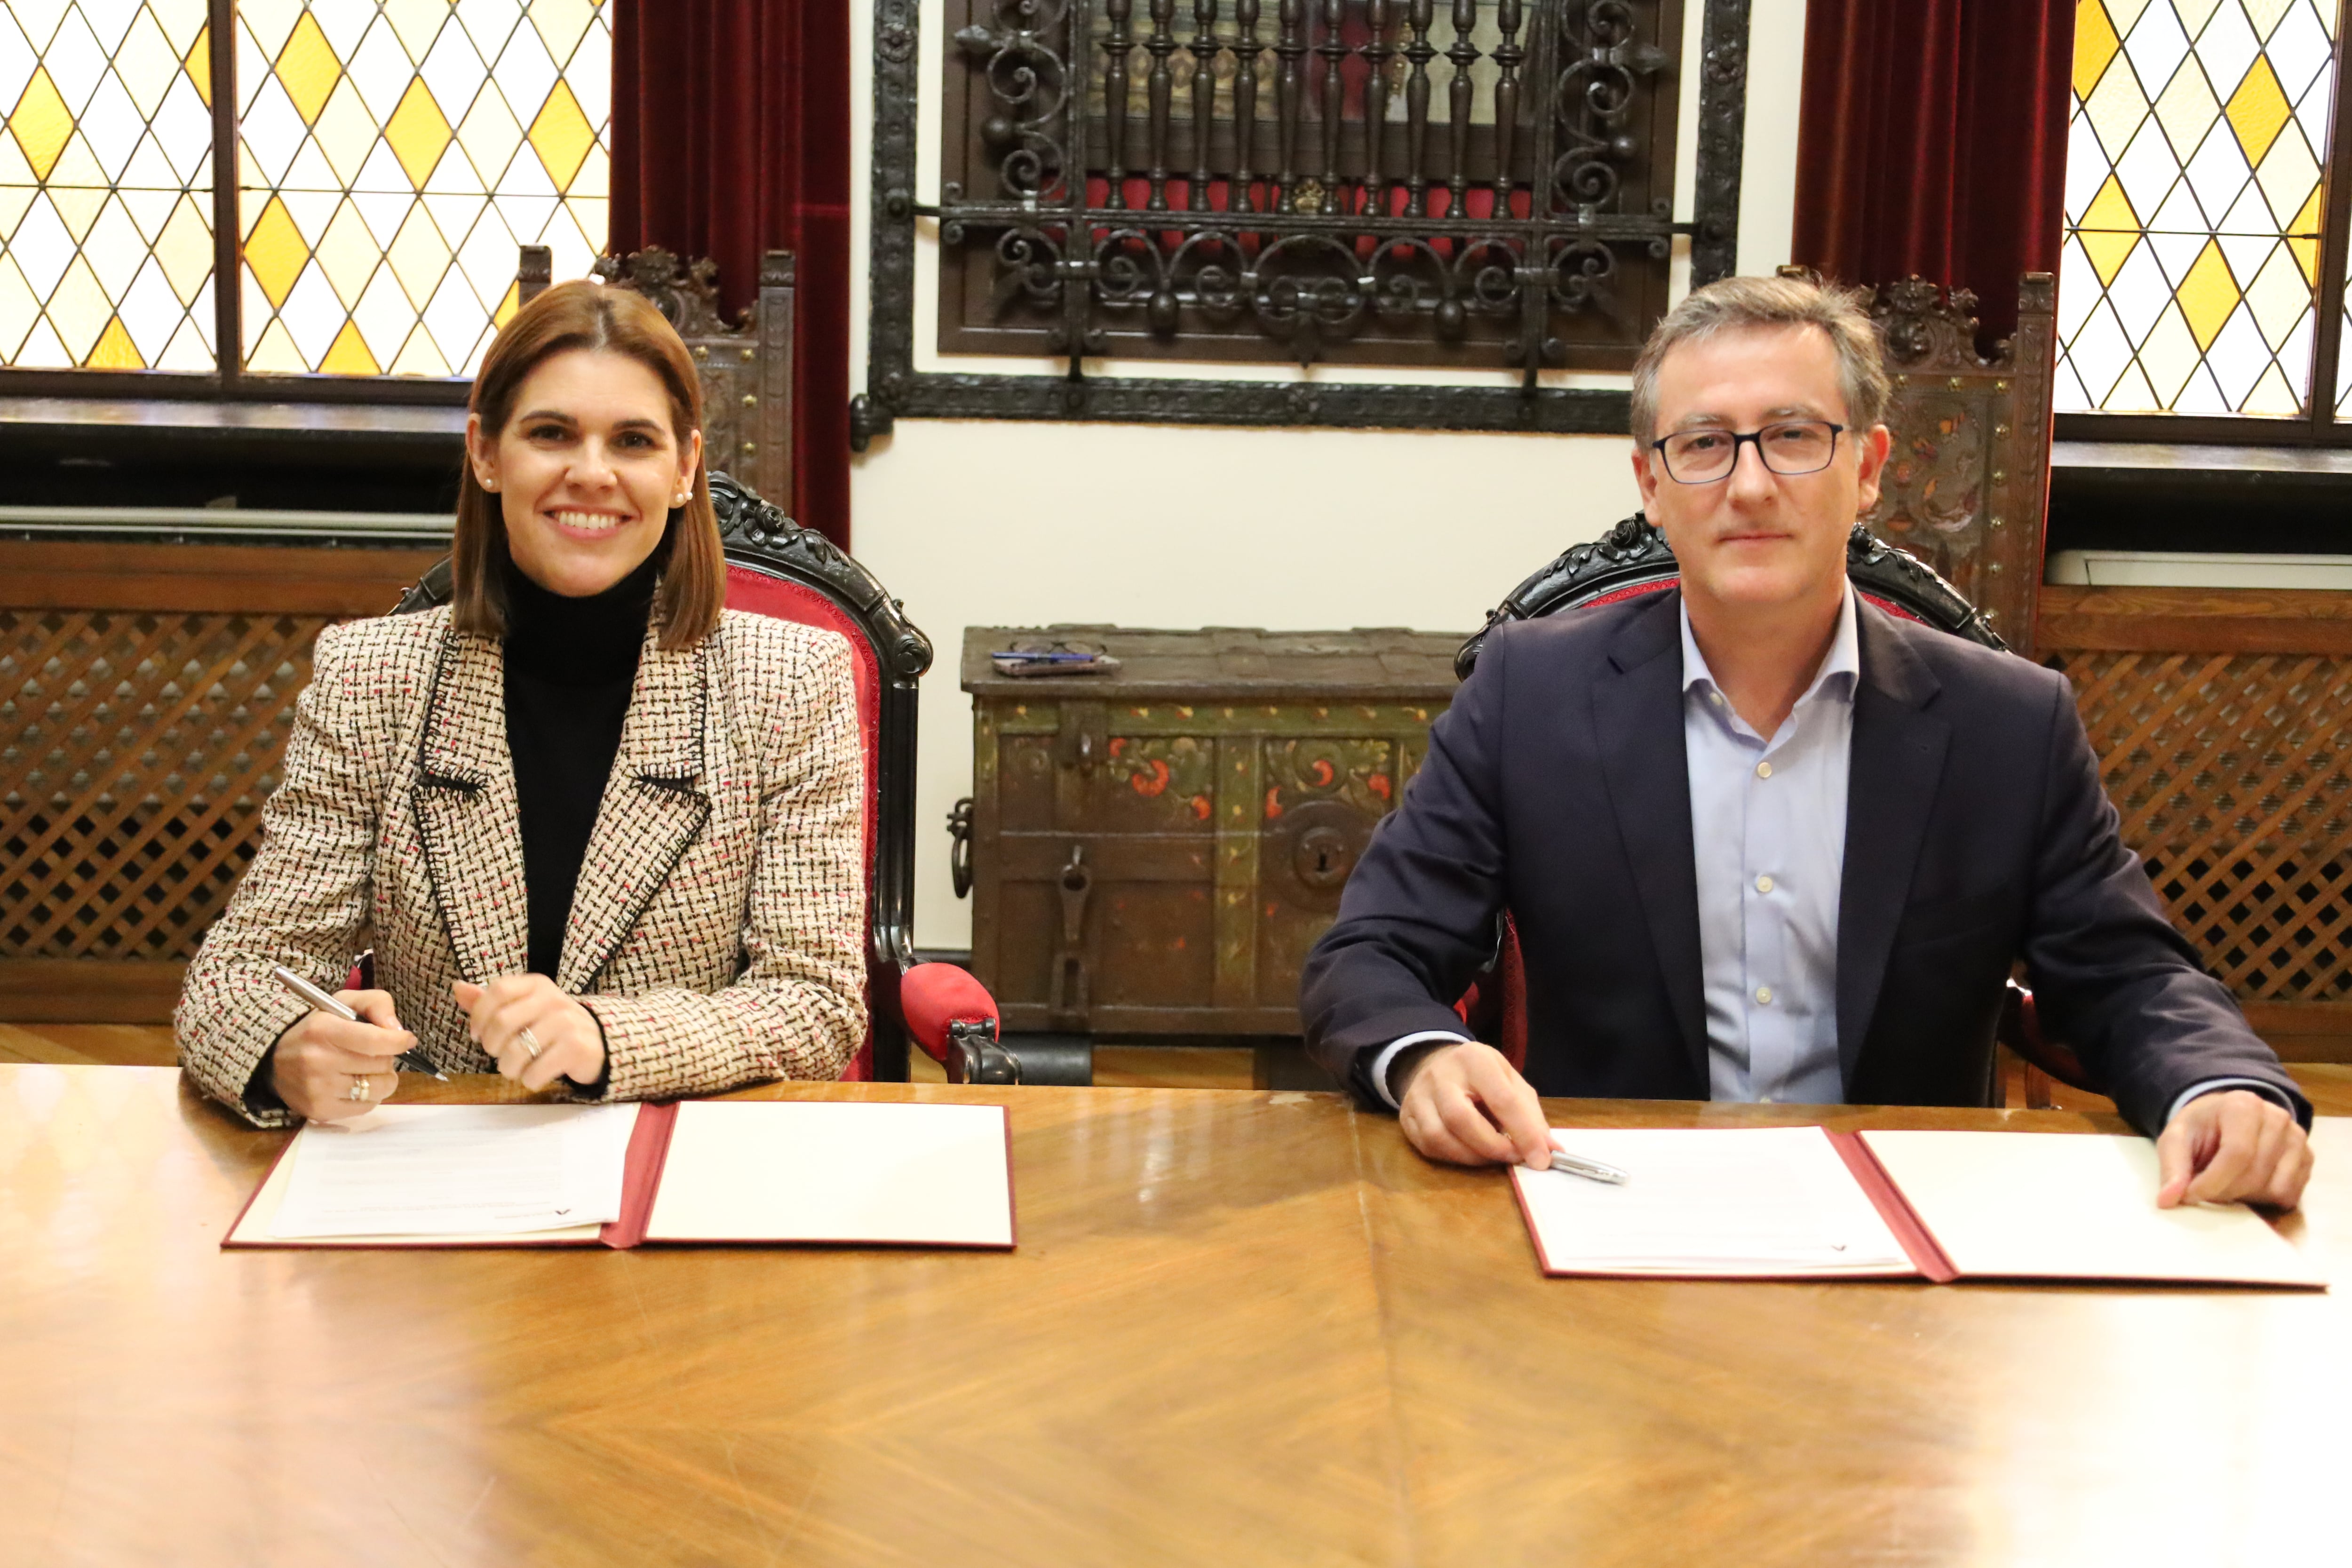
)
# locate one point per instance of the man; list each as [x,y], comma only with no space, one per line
[1761,840]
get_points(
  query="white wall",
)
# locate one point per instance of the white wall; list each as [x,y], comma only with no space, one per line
[1341,529]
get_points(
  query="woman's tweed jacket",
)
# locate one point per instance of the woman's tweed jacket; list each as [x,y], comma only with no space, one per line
[716,931]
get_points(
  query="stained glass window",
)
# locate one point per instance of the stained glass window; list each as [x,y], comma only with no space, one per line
[393,155]
[106,235]
[2193,208]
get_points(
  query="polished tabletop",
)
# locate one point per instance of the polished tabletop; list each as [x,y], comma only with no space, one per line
[1240,1328]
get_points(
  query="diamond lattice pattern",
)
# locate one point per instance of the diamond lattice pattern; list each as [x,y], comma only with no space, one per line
[2193,204]
[105,238]
[395,153]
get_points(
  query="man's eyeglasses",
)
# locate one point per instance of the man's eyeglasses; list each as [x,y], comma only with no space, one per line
[1792,447]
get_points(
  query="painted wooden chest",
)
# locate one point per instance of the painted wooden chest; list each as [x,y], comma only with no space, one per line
[1152,852]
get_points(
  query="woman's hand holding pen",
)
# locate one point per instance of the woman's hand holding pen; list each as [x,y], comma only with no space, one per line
[328,1070]
[534,1029]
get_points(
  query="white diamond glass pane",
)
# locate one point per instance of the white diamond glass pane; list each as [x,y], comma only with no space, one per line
[95,157]
[446,165]
[2193,169]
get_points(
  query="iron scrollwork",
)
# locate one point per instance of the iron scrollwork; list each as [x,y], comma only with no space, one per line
[1271,179]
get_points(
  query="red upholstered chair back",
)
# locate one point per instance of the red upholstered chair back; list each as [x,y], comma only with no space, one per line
[776,567]
[762,592]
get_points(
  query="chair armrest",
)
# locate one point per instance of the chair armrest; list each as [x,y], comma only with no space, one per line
[954,1019]
[2021,1030]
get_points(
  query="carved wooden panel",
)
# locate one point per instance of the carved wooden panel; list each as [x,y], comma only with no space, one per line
[2234,778]
[136,750]
[1966,487]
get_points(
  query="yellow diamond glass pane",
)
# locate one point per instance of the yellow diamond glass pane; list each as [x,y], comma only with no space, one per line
[104,220]
[416,200]
[2208,295]
[308,69]
[41,124]
[2173,304]
[275,251]
[2258,108]
[198,63]
[114,350]
[561,135]
[2095,44]
[417,132]
[348,355]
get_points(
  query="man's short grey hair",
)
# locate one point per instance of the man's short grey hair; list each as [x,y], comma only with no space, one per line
[1736,304]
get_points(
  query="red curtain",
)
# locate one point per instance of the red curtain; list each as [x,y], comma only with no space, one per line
[730,137]
[1932,138]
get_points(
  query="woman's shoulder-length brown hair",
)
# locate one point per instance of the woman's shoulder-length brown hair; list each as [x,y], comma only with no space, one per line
[585,315]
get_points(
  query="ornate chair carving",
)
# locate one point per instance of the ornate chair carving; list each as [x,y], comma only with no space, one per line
[1633,559]
[747,368]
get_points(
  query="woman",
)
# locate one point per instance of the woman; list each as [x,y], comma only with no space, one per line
[600,831]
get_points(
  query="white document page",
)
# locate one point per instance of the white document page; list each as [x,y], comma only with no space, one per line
[834,1171]
[1762,1202]
[456,1172]
[2055,1205]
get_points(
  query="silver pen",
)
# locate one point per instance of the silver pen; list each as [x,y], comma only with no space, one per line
[1591,1170]
[323,1002]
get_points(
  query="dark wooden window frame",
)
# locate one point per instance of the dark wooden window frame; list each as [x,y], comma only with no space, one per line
[895,387]
[2319,425]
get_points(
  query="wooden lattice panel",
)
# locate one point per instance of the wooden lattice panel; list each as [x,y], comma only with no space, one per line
[136,749]
[2235,785]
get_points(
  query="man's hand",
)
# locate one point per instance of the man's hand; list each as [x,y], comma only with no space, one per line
[534,1030]
[326,1069]
[2231,1146]
[1466,1105]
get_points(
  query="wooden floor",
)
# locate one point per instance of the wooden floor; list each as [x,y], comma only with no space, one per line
[2329,1085]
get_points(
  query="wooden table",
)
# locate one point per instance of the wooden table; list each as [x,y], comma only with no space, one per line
[1240,1328]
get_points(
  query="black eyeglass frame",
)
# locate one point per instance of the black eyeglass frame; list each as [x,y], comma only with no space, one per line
[1756,436]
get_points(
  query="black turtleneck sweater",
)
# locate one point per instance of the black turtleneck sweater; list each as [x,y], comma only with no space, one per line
[569,666]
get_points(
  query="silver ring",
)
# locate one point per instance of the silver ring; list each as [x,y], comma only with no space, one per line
[359,1089]
[530,1041]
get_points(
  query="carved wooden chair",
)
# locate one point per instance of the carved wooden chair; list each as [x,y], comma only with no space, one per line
[1633,559]
[747,367]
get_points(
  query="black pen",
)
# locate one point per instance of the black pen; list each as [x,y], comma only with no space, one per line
[321,1001]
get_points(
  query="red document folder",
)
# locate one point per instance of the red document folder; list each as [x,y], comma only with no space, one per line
[1941,1206]
[772,1171]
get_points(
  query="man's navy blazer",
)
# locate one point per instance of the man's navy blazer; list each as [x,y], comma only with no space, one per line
[1977,833]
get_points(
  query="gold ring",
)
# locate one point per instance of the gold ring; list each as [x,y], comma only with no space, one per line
[529,1042]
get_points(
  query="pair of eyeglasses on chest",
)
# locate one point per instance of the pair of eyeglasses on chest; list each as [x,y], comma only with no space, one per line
[1787,447]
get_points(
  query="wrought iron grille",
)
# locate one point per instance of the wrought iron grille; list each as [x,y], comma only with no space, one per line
[1479,184]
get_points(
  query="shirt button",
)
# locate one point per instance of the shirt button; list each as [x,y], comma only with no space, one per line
[1764,994]
[1716,698]
[1763,770]
[1764,884]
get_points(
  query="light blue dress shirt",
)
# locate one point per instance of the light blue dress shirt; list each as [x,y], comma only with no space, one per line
[1768,839]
